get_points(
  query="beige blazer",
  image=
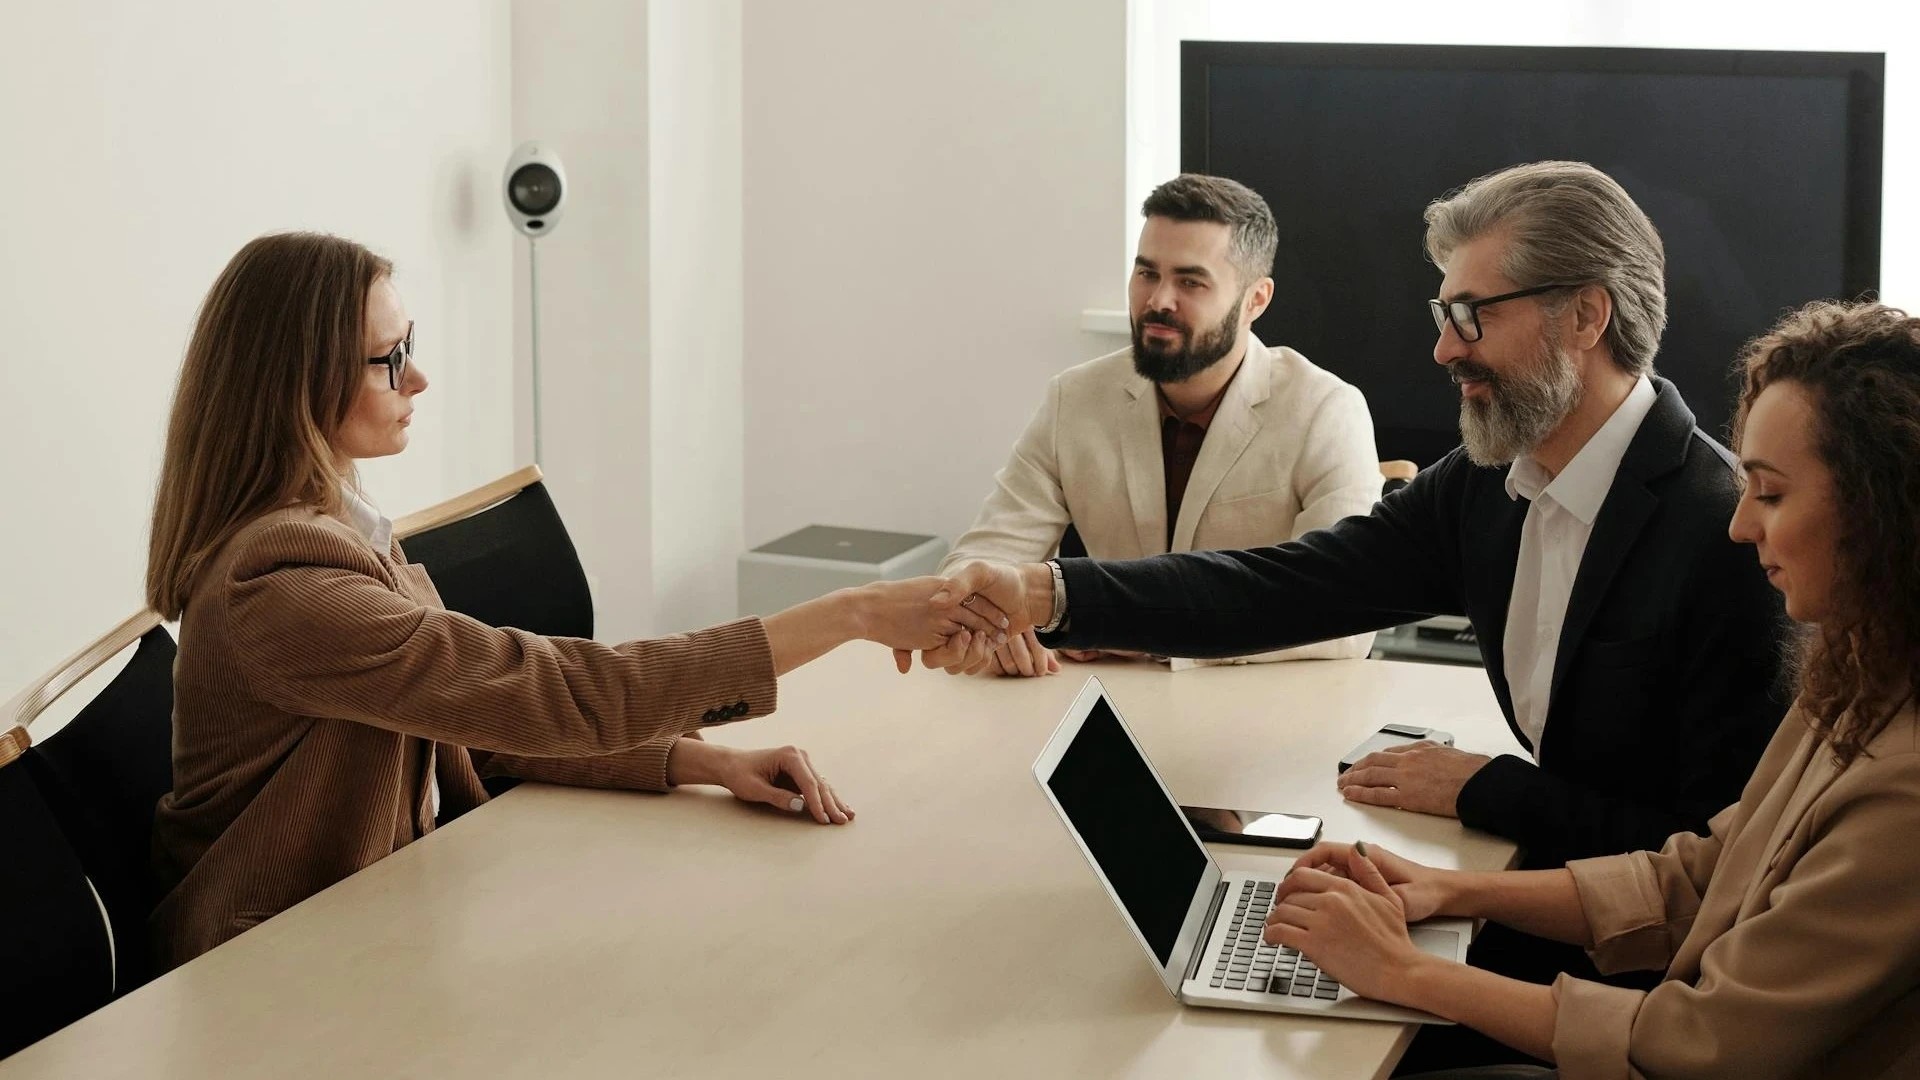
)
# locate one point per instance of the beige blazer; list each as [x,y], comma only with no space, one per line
[1790,933]
[1290,450]
[320,684]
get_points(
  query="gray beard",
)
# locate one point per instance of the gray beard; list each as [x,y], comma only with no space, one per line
[1522,409]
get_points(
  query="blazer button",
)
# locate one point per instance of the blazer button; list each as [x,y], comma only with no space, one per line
[709,717]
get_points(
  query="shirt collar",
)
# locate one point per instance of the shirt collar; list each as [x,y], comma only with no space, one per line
[1204,418]
[1583,485]
[367,520]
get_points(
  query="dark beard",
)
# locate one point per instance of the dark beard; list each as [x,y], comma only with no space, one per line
[1178,363]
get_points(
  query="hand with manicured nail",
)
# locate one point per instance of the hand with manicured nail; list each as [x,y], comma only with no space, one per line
[1421,889]
[781,777]
[1346,919]
[1020,596]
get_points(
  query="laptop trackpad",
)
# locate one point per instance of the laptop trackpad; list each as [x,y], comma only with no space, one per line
[1438,942]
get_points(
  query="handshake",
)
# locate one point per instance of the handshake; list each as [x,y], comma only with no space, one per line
[960,622]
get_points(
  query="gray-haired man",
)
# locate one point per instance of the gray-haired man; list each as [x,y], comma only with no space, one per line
[1582,528]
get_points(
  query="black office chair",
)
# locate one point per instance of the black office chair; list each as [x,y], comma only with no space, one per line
[77,815]
[502,555]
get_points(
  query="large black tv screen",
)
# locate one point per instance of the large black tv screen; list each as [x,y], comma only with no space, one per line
[1760,169]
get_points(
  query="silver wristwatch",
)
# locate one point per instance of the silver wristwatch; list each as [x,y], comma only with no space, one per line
[1059,598]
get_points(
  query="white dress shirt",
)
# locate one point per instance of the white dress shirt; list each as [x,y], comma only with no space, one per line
[369,522]
[1552,542]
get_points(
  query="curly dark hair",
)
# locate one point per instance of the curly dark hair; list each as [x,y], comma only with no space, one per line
[1860,366]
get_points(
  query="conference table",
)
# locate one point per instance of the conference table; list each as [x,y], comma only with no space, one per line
[953,929]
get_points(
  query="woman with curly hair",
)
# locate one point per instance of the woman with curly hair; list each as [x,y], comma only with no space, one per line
[1789,933]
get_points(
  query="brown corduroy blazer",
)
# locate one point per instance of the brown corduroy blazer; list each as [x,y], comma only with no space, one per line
[320,683]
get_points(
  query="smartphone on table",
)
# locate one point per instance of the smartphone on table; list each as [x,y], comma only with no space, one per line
[1393,735]
[1263,827]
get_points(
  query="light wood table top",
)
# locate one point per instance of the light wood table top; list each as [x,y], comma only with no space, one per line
[952,930]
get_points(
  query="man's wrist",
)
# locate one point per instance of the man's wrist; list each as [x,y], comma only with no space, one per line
[1038,588]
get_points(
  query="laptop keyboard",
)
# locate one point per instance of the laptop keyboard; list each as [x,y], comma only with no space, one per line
[1247,963]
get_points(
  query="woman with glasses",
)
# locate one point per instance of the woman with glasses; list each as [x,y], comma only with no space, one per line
[327,709]
[1788,933]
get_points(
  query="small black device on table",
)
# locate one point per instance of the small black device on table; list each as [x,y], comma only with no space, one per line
[1261,827]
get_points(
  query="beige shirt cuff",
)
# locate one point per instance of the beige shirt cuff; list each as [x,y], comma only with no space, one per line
[1593,1029]
[1626,912]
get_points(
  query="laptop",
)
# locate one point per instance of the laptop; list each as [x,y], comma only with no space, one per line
[1199,925]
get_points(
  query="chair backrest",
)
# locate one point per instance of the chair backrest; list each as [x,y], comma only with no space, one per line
[1396,475]
[76,812]
[56,952]
[501,554]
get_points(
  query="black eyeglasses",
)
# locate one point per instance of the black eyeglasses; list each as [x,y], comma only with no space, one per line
[1465,314]
[396,360]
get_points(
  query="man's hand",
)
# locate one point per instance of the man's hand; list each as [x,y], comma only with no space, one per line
[1023,655]
[1023,593]
[1094,656]
[926,613]
[1424,777]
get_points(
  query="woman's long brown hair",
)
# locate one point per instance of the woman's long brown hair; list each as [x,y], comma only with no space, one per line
[276,358]
[1860,366]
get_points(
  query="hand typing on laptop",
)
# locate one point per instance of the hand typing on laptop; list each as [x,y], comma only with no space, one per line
[1346,908]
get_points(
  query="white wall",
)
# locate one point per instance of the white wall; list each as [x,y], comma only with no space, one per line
[144,144]
[698,422]
[932,191]
[580,86]
[640,317]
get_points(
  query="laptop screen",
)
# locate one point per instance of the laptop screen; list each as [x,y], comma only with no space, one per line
[1135,833]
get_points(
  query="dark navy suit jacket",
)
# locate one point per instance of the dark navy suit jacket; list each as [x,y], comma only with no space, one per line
[1667,684]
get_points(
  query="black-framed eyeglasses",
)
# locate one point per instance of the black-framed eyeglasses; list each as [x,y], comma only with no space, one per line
[396,360]
[1465,314]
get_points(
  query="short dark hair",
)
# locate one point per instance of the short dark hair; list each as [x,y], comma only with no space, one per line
[1194,197]
[1859,364]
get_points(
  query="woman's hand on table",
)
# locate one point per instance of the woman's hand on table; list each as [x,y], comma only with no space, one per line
[782,777]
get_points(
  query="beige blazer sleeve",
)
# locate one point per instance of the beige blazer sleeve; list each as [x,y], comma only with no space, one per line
[1640,906]
[1809,963]
[328,636]
[1338,475]
[1026,514]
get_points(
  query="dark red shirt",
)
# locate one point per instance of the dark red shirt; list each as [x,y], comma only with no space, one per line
[1180,442]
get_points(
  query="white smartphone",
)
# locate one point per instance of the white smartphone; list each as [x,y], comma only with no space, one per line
[1393,735]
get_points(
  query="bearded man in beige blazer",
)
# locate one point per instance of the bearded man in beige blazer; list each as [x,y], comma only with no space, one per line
[1198,436]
